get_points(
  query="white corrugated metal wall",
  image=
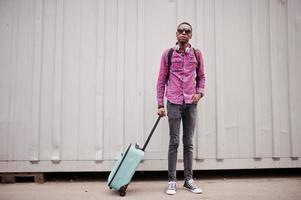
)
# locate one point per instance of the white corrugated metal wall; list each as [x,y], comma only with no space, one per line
[78,82]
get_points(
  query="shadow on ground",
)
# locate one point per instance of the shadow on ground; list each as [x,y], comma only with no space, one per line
[162,175]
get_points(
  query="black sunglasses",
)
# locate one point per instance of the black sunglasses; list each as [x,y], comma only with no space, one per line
[188,31]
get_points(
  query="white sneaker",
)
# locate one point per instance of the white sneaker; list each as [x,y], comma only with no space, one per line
[192,187]
[171,189]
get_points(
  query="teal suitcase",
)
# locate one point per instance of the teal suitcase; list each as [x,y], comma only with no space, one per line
[127,164]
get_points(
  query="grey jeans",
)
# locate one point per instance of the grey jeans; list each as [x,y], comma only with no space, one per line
[187,113]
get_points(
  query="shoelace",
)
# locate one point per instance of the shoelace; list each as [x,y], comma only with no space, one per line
[171,186]
[192,185]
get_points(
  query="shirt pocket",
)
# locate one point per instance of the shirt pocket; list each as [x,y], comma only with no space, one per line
[192,60]
[192,63]
[176,64]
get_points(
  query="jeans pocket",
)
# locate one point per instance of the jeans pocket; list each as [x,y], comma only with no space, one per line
[173,111]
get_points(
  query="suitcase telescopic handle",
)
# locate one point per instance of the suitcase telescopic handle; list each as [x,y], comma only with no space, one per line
[151,133]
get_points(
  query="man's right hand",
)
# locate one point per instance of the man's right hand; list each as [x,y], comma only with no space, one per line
[161,112]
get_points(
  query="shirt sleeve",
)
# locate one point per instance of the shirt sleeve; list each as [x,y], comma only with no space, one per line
[201,75]
[161,82]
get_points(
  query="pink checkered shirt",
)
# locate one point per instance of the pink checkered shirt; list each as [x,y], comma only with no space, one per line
[181,85]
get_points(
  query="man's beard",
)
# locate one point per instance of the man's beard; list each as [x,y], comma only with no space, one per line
[183,42]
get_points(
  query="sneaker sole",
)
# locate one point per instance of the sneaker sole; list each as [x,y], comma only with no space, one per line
[171,193]
[192,191]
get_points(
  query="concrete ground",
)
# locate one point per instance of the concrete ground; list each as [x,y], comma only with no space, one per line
[214,188]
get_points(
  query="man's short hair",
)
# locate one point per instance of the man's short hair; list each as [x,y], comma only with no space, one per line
[186,24]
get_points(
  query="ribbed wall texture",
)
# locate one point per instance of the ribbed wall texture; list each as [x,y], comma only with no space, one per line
[78,82]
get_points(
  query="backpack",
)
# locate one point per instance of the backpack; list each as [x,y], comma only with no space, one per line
[169,56]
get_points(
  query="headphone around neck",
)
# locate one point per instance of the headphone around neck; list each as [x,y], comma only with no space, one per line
[186,49]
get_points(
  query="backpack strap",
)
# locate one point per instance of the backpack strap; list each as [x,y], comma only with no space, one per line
[196,53]
[169,56]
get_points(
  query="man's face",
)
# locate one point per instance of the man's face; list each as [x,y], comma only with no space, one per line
[184,33]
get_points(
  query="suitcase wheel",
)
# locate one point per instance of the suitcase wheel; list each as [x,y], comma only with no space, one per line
[122,193]
[122,190]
